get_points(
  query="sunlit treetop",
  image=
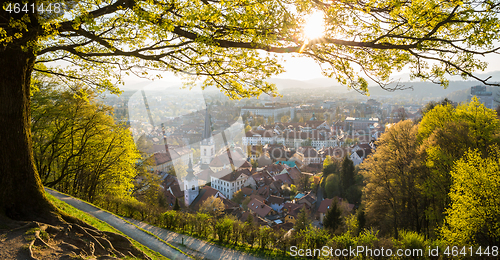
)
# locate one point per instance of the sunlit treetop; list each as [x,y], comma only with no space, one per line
[235,44]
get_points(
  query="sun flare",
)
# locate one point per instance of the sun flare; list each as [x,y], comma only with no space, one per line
[315,26]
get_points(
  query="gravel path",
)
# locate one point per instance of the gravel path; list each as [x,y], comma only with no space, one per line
[193,246]
[128,229]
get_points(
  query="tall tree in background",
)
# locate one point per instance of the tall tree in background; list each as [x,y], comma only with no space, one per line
[332,186]
[229,44]
[446,133]
[330,166]
[347,175]
[409,180]
[393,195]
[332,218]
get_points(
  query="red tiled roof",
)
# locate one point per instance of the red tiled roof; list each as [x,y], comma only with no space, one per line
[161,158]
[228,204]
[258,176]
[274,168]
[285,178]
[245,164]
[176,190]
[204,194]
[257,197]
[259,207]
[293,208]
[294,173]
[230,176]
[325,205]
[247,191]
[264,191]
[275,200]
[316,123]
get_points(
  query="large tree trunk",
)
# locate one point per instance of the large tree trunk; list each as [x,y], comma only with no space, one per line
[21,192]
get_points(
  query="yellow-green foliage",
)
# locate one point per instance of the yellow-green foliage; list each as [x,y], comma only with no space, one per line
[233,44]
[474,215]
[76,138]
[410,240]
[446,133]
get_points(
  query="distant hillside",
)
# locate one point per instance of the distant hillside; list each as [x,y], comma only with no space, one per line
[417,90]
[414,90]
[422,89]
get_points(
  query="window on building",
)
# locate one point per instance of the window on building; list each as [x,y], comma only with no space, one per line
[192,188]
[204,152]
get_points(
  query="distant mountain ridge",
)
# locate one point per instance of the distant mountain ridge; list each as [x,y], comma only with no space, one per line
[416,89]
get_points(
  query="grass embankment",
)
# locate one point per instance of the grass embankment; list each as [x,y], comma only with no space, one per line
[242,247]
[100,225]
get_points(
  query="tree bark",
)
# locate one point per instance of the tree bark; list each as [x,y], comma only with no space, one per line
[22,196]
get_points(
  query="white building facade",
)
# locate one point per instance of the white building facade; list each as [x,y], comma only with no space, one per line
[229,183]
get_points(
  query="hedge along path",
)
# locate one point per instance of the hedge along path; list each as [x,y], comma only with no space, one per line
[196,247]
[127,228]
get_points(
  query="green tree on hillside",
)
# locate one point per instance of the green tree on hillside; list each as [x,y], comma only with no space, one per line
[447,133]
[347,175]
[330,166]
[474,215]
[393,194]
[78,148]
[302,221]
[333,216]
[213,206]
[332,186]
[225,44]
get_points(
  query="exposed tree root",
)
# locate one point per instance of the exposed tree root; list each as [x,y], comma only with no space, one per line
[74,239]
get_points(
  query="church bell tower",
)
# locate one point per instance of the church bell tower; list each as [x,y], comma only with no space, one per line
[207,146]
[190,185]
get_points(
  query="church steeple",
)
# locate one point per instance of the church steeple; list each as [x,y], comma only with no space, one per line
[207,131]
[191,189]
[207,146]
[190,171]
